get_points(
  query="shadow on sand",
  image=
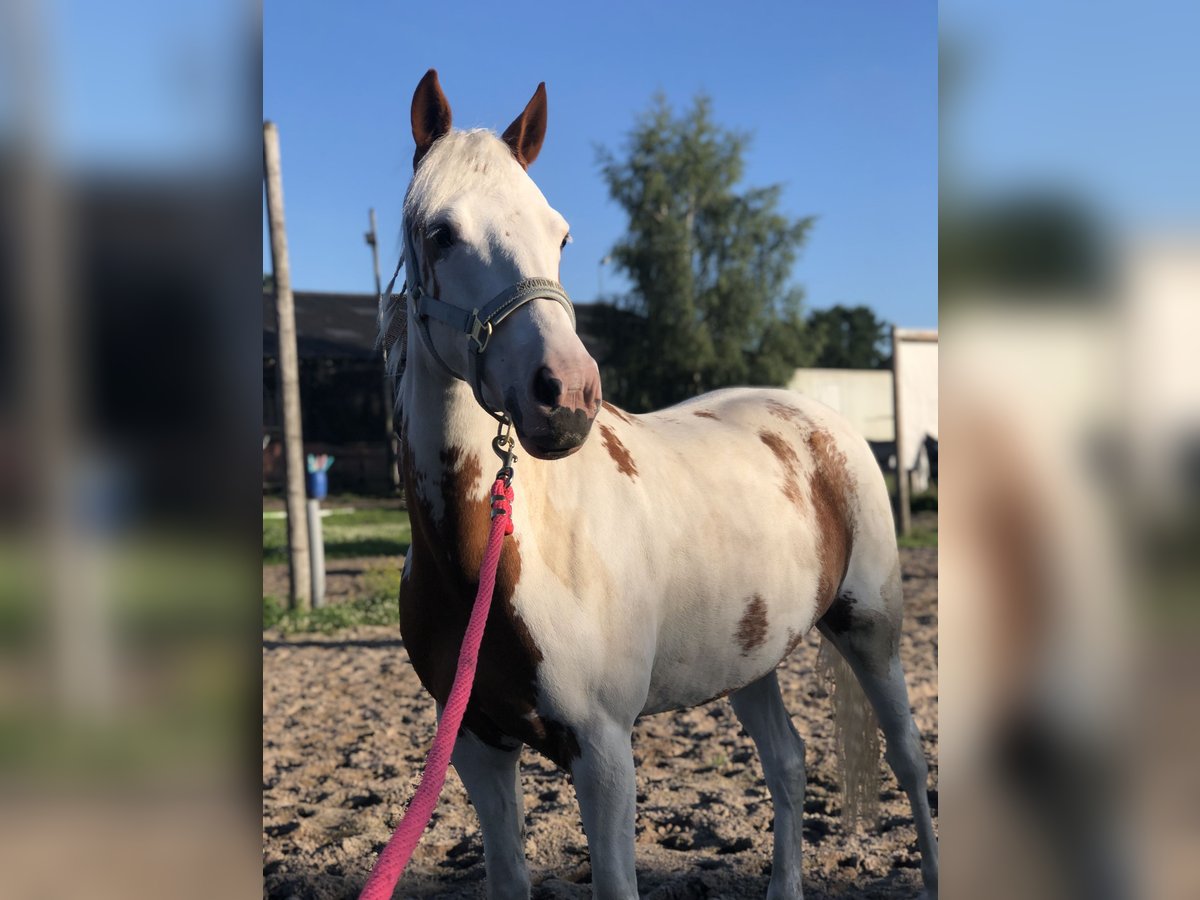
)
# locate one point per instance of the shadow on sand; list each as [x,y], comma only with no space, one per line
[741,879]
[343,644]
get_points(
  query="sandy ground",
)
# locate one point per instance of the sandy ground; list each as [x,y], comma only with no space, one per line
[346,725]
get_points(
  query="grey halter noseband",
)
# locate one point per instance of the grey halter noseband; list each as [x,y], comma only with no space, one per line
[477,324]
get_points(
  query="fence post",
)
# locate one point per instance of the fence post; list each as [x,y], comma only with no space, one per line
[289,374]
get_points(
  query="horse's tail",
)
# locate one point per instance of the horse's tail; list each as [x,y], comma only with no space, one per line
[856,734]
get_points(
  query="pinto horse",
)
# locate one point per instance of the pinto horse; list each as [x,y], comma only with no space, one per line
[678,558]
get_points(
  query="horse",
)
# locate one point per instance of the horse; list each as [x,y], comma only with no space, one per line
[677,559]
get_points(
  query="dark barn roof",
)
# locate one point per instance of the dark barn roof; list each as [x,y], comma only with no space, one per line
[343,326]
[328,326]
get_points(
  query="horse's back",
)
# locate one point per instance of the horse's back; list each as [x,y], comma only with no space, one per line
[742,417]
[766,503]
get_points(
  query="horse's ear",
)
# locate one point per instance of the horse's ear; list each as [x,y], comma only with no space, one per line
[525,135]
[430,114]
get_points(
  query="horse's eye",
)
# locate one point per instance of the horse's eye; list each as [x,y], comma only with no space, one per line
[443,236]
[568,239]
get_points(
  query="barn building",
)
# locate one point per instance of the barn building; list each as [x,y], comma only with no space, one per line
[342,388]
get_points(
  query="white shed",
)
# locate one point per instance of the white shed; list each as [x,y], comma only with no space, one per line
[863,396]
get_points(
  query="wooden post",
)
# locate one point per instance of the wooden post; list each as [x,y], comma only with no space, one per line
[289,375]
[372,239]
[70,554]
[903,501]
[389,389]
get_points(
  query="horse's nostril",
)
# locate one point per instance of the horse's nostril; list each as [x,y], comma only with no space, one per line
[546,388]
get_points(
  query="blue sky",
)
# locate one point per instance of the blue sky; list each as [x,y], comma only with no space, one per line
[1096,100]
[1091,98]
[841,100]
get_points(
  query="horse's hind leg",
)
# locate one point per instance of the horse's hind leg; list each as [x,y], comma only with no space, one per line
[493,782]
[760,708]
[867,634]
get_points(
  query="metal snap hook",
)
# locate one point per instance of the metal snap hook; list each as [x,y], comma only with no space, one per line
[504,445]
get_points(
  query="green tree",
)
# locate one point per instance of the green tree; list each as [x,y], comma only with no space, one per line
[709,261]
[849,337]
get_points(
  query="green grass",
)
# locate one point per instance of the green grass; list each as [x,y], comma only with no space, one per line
[923,534]
[919,537]
[364,532]
[379,604]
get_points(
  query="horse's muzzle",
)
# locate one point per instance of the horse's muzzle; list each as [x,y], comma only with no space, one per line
[564,432]
[558,419]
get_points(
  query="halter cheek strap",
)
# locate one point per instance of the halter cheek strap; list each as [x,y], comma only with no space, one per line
[478,324]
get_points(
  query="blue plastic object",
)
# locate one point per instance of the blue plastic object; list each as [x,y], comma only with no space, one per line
[318,485]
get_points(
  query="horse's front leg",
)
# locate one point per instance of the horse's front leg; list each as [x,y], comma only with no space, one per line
[607,793]
[493,781]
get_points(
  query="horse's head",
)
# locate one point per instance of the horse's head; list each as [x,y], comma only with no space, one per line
[481,241]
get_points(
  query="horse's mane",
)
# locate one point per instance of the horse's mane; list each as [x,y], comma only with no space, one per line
[392,340]
[457,162]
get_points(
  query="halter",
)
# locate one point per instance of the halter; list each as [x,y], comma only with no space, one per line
[478,324]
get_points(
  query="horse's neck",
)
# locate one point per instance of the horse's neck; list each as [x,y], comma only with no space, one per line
[439,414]
[448,456]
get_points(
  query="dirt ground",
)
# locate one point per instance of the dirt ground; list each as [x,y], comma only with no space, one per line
[346,725]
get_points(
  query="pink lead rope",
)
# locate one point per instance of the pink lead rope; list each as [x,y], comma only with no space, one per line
[390,865]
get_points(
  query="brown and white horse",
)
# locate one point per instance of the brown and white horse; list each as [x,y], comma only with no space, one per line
[676,557]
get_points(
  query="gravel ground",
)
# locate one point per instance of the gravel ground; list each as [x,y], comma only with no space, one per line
[346,725]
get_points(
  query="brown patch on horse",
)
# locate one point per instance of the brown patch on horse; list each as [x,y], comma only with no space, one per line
[752,629]
[786,454]
[705,414]
[782,411]
[793,641]
[619,413]
[833,491]
[618,452]
[436,600]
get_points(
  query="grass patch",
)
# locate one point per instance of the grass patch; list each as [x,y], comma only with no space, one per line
[919,537]
[927,501]
[924,532]
[379,604]
[364,532]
